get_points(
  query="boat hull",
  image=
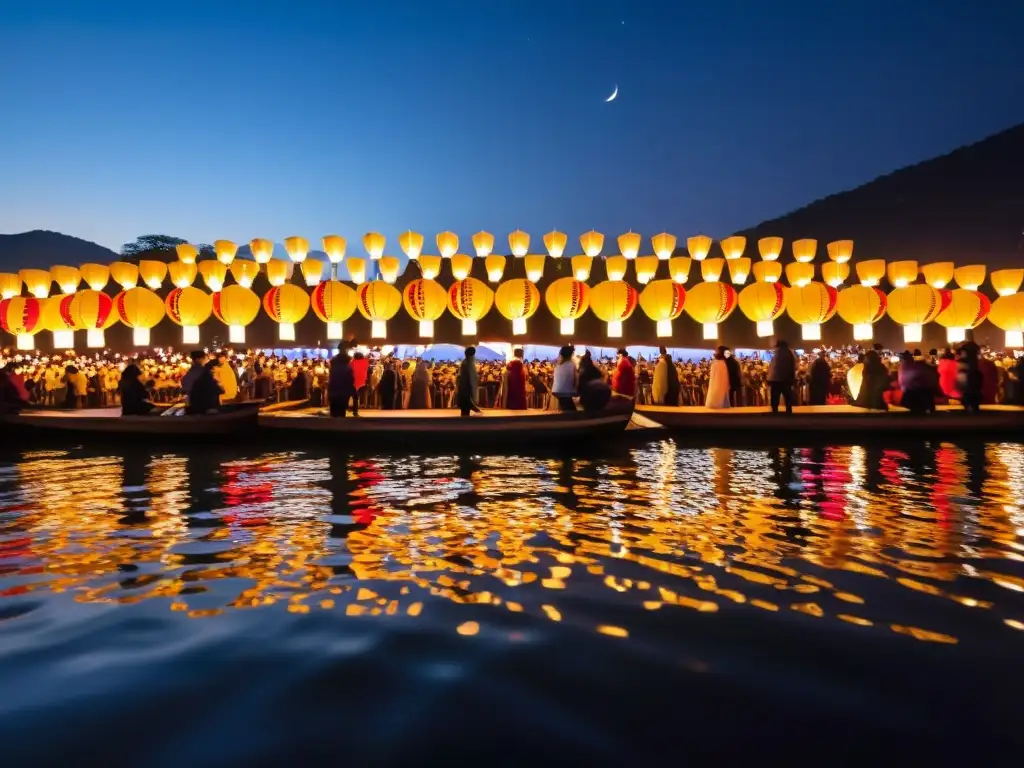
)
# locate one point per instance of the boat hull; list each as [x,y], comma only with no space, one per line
[108,422]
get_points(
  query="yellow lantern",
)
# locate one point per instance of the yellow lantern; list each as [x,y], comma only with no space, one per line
[805,250]
[312,271]
[334,246]
[517,300]
[447,244]
[592,242]
[739,270]
[91,310]
[58,322]
[767,271]
[462,265]
[356,270]
[297,248]
[374,242]
[187,253]
[629,244]
[770,248]
[840,251]
[140,309]
[1006,282]
[10,285]
[914,305]
[555,242]
[834,273]
[733,247]
[333,303]
[861,306]
[22,318]
[939,274]
[244,272]
[470,300]
[810,306]
[483,242]
[762,303]
[679,268]
[534,267]
[581,266]
[125,274]
[262,250]
[411,244]
[615,267]
[389,266]
[1007,314]
[870,273]
[518,243]
[664,245]
[37,282]
[699,247]
[613,301]
[225,251]
[378,302]
[971,277]
[214,274]
[902,273]
[711,269]
[278,272]
[182,274]
[66,278]
[967,309]
[710,304]
[799,274]
[425,302]
[96,276]
[189,307]
[286,305]
[663,301]
[430,266]
[236,307]
[646,268]
[567,299]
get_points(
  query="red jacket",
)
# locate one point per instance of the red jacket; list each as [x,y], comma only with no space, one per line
[359,368]
[624,378]
[515,380]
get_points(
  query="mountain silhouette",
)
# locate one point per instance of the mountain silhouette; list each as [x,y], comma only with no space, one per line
[43,249]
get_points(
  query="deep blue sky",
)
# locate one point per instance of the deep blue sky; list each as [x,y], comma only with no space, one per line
[245,119]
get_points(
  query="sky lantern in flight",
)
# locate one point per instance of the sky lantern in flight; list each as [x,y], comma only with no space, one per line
[914,305]
[567,299]
[861,306]
[805,250]
[629,244]
[225,251]
[125,274]
[699,246]
[840,251]
[710,304]
[799,273]
[378,302]
[37,282]
[425,302]
[470,300]
[592,243]
[770,248]
[374,243]
[679,269]
[187,253]
[286,305]
[1006,282]
[278,272]
[581,266]
[333,303]
[92,311]
[810,306]
[971,277]
[66,278]
[733,247]
[966,310]
[182,273]
[297,248]
[938,274]
[462,265]
[1007,314]
[517,300]
[534,266]
[189,307]
[902,273]
[447,244]
[389,266]
[613,302]
[663,301]
[646,268]
[140,309]
[615,267]
[767,271]
[262,250]
[739,270]
[871,272]
[483,244]
[58,323]
[334,246]
[711,269]
[244,272]
[555,243]
[153,273]
[312,271]
[22,318]
[214,273]
[236,307]
[356,270]
[10,285]
[762,303]
[96,276]
[835,273]
[411,244]
[430,266]
[664,245]
[518,243]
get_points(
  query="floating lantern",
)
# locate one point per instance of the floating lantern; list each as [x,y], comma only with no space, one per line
[278,272]
[236,307]
[214,274]
[470,300]
[1006,282]
[1007,314]
[870,273]
[334,246]
[555,242]
[615,267]
[805,250]
[447,244]
[244,272]
[333,303]
[125,274]
[356,270]
[834,273]
[799,274]
[153,274]
[517,300]
[770,248]
[699,247]
[462,265]
[425,302]
[378,302]
[861,306]
[187,253]
[664,245]
[262,250]
[483,243]
[189,307]
[518,243]
[297,248]
[411,244]
[58,323]
[374,242]
[534,264]
[767,271]
[733,247]
[182,274]
[646,268]
[810,306]
[10,285]
[710,304]
[613,301]
[430,266]
[629,244]
[711,269]
[840,251]
[967,310]
[495,266]
[312,271]
[663,301]
[286,305]
[970,278]
[739,270]
[92,311]
[567,299]
[96,276]
[902,273]
[37,282]
[679,269]
[939,274]
[913,306]
[389,267]
[140,309]
[22,318]
[592,243]
[762,302]
[66,278]
[225,251]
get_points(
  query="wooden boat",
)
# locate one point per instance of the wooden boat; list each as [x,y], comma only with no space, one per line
[109,421]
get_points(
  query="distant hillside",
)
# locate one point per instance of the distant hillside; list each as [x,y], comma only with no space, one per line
[42,248]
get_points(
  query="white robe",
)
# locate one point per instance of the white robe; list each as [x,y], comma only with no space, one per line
[660,389]
[718,386]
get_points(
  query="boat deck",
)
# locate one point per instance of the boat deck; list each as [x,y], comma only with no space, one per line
[426,413]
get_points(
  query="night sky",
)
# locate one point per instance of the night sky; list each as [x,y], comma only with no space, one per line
[268,119]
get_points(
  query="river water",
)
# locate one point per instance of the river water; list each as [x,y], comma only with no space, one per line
[255,607]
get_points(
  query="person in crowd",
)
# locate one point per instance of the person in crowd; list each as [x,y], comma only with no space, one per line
[666,380]
[732,365]
[624,376]
[468,384]
[820,379]
[918,382]
[387,389]
[515,382]
[875,383]
[782,376]
[947,375]
[855,377]
[969,377]
[198,358]
[421,384]
[299,387]
[226,377]
[989,378]
[13,395]
[566,382]
[360,372]
[718,382]
[341,386]
[205,395]
[134,397]
[588,369]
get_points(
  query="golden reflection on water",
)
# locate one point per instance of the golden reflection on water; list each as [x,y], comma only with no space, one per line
[920,542]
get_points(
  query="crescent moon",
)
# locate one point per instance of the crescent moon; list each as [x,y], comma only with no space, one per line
[614,94]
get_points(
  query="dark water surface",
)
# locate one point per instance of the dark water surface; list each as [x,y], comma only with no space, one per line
[214,607]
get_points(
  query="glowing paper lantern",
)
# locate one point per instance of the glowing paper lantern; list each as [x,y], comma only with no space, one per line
[861,306]
[840,251]
[96,276]
[799,274]
[470,300]
[699,247]
[767,271]
[733,247]
[615,267]
[679,269]
[125,274]
[914,305]
[517,300]
[182,274]
[902,273]
[334,246]
[805,250]
[225,251]
[462,265]
[278,271]
[939,274]
[613,301]
[10,285]
[356,270]
[244,272]
[333,303]
[263,250]
[378,302]
[187,253]
[592,242]
[140,309]
[769,248]
[92,311]
[664,245]
[835,273]
[425,302]
[411,244]
[37,282]
[286,305]
[22,318]
[297,248]
[518,243]
[871,272]
[389,266]
[214,274]
[970,278]
[495,266]
[1007,314]
[534,266]
[66,278]
[555,242]
[967,309]
[711,269]
[646,268]
[567,299]
[663,301]
[430,266]
[629,244]
[581,266]
[710,304]
[374,243]
[59,323]
[483,243]
[236,307]
[1006,282]
[762,303]
[312,271]
[739,270]
[447,244]
[189,307]
[810,306]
